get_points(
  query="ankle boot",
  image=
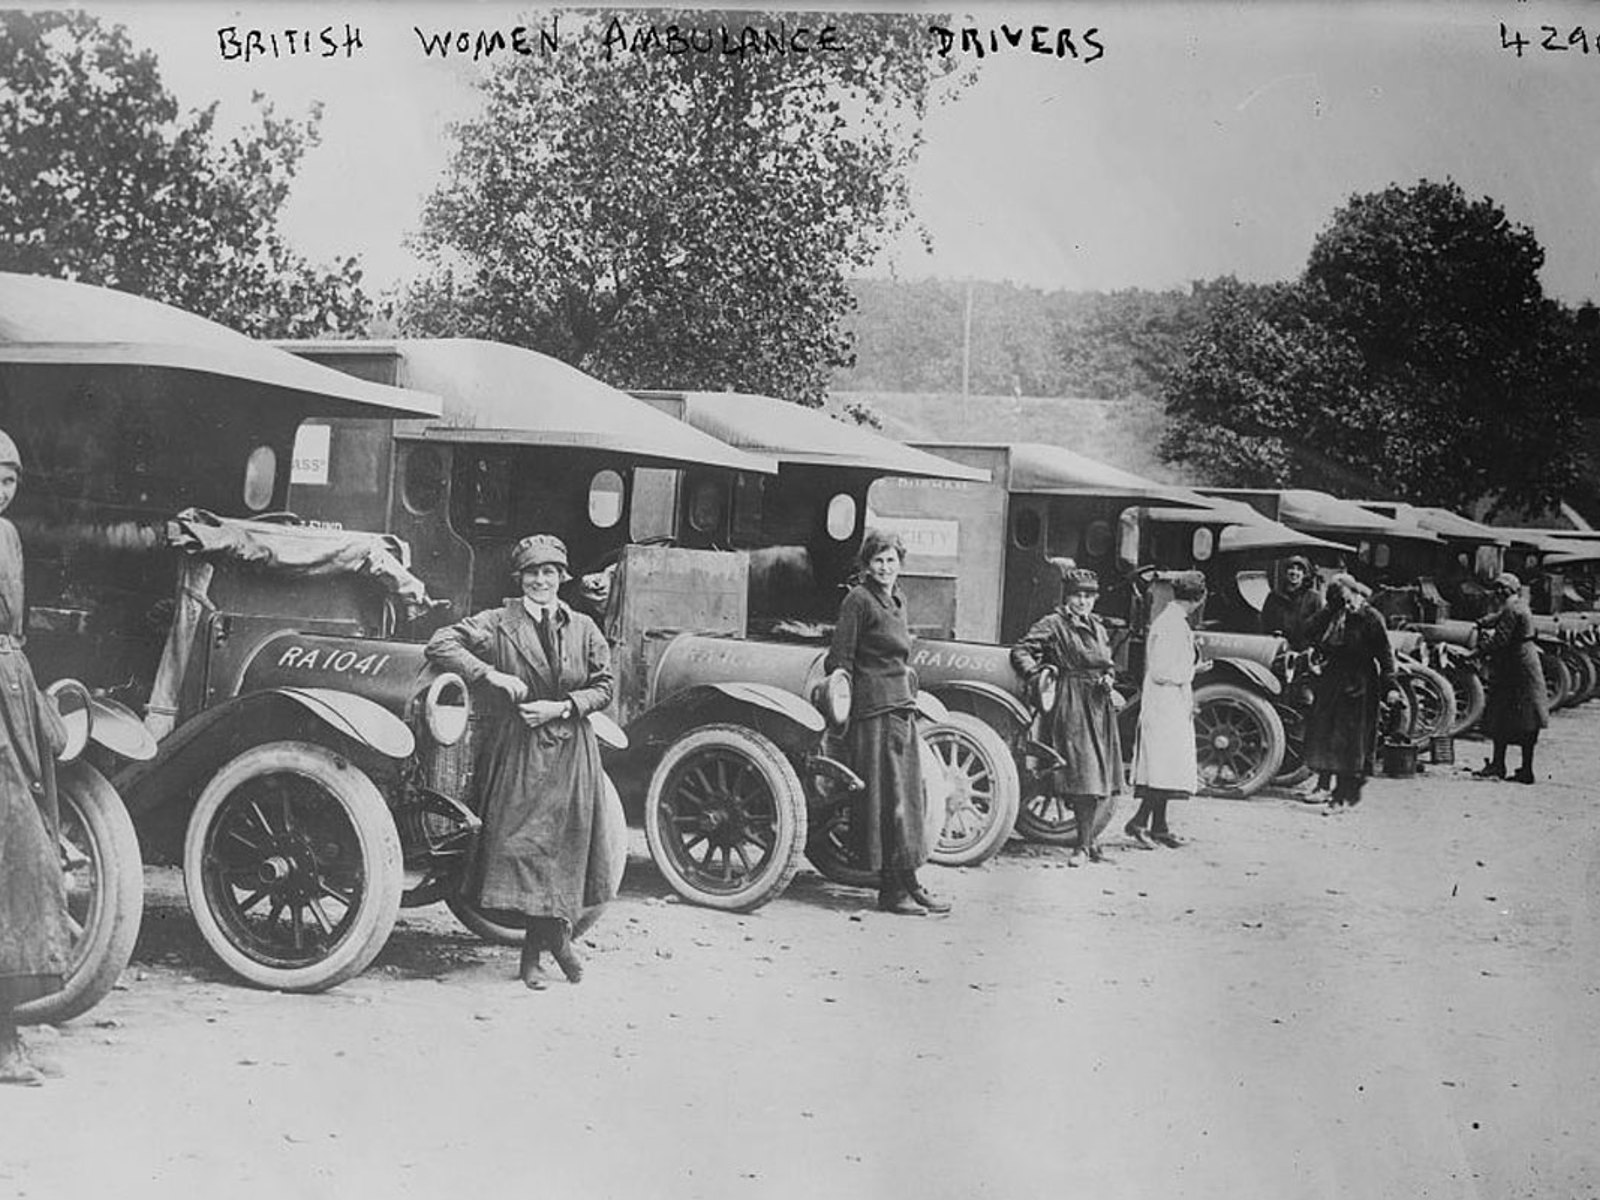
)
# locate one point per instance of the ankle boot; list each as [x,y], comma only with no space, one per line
[922,896]
[893,897]
[566,957]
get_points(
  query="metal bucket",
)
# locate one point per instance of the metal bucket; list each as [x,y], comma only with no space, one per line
[1442,750]
[1399,759]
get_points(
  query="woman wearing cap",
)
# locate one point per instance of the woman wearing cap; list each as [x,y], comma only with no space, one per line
[1291,605]
[1357,671]
[872,642]
[1164,766]
[540,862]
[34,939]
[1083,725]
[1518,706]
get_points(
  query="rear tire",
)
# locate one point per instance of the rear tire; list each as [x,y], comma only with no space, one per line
[104,880]
[984,790]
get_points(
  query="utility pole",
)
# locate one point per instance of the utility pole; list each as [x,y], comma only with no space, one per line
[966,346]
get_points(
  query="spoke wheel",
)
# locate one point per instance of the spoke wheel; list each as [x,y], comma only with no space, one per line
[1433,701]
[104,884]
[1471,699]
[292,865]
[1239,740]
[725,818]
[1557,679]
[830,847]
[1050,821]
[1294,770]
[1581,668]
[984,793]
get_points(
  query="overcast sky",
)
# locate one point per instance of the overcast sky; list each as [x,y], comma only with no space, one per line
[1209,138]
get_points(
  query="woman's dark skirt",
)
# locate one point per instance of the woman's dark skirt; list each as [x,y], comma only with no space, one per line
[892,831]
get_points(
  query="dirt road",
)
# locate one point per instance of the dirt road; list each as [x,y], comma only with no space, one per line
[1401,1001]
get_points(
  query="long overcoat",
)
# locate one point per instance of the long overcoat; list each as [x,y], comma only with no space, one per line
[1357,670]
[872,641]
[1518,704]
[1083,726]
[34,940]
[540,854]
[1290,614]
[1165,757]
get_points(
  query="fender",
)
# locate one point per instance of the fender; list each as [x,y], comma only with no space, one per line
[771,710]
[931,708]
[1253,672]
[972,695]
[200,746]
[120,731]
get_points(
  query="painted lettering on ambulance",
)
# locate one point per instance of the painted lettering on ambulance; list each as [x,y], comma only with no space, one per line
[328,658]
[924,538]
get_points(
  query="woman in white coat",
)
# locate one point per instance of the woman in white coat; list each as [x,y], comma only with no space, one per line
[1164,766]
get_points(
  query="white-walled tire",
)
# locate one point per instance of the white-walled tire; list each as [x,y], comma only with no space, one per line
[725,818]
[292,866]
[104,879]
[1239,740]
[984,795]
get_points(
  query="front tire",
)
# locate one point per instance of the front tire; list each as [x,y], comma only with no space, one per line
[725,818]
[1433,701]
[1239,740]
[292,866]
[984,795]
[104,880]
[1471,699]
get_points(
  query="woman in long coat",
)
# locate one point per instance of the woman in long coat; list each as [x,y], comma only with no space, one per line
[1164,760]
[1290,607]
[1357,674]
[1083,725]
[540,861]
[872,644]
[1518,705]
[34,941]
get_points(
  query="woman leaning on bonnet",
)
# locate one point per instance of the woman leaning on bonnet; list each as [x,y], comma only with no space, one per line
[34,937]
[1518,705]
[1357,673]
[872,643]
[1083,724]
[541,861]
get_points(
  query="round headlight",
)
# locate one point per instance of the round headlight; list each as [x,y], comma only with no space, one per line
[446,709]
[71,700]
[834,697]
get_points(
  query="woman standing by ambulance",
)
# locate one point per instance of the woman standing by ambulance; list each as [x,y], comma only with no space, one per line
[34,939]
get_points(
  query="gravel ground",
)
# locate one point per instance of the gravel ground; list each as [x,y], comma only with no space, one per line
[1398,1001]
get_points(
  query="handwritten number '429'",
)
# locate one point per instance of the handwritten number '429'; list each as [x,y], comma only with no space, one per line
[1513,39]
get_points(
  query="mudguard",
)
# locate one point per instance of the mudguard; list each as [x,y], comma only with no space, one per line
[198,748]
[684,709]
[120,731]
[990,694]
[356,717]
[1253,672]
[931,708]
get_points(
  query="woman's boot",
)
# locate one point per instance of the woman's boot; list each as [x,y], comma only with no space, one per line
[922,896]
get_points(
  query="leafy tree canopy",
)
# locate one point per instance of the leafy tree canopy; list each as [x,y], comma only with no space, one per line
[1416,354]
[679,220]
[102,180]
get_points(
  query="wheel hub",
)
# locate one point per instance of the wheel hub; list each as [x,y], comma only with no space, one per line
[1221,741]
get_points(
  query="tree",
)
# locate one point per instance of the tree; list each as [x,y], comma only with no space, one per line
[670,218]
[103,181]
[1417,352]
